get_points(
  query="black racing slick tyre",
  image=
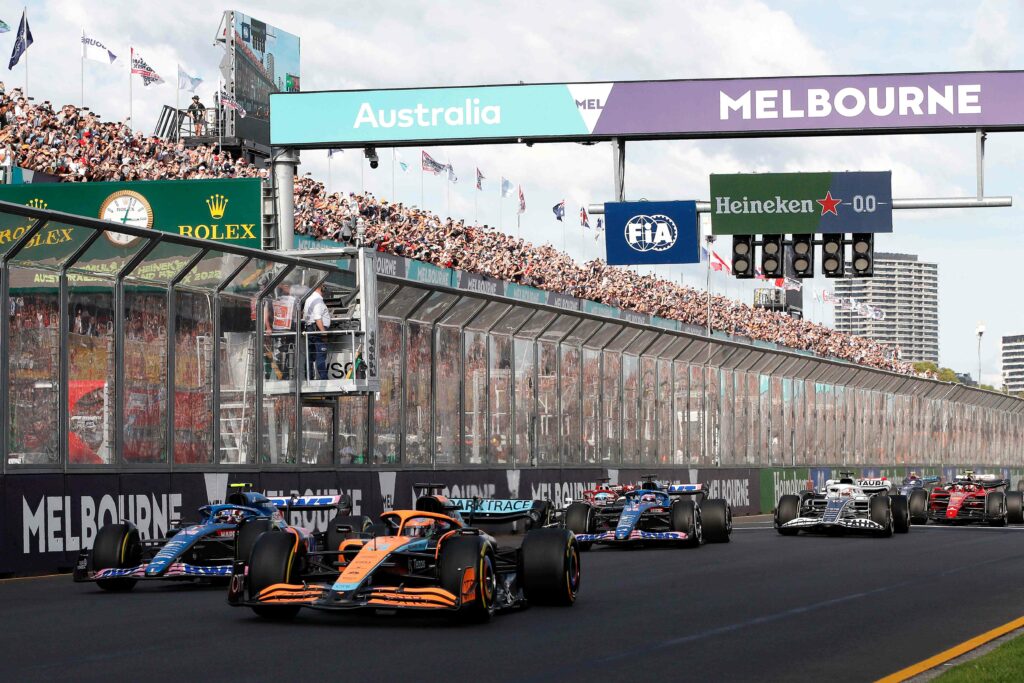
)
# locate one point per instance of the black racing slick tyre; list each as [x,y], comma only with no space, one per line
[579,519]
[787,510]
[245,537]
[549,567]
[1015,507]
[274,559]
[918,504]
[995,508]
[881,513]
[685,517]
[117,546]
[460,555]
[716,516]
[900,514]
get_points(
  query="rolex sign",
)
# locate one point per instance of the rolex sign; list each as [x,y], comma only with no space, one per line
[227,210]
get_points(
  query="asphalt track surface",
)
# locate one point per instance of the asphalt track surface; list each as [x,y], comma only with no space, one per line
[762,608]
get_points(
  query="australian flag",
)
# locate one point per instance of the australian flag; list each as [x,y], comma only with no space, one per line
[559,210]
[22,41]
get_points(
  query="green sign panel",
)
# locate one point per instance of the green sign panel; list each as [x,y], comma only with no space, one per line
[801,203]
[227,211]
[779,481]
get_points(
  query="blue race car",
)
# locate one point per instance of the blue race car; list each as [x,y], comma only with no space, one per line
[651,514]
[205,550]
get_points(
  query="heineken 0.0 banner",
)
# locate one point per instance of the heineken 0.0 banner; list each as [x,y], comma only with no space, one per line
[801,203]
[227,211]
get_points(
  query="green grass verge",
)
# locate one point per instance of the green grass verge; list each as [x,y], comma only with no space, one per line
[1005,663]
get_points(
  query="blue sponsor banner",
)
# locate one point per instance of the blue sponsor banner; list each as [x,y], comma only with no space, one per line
[651,233]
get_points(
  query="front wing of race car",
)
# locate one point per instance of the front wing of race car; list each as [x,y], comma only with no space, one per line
[323,597]
[634,535]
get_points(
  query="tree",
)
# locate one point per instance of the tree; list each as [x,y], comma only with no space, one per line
[947,375]
[924,366]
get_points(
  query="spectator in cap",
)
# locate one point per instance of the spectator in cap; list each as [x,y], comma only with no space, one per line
[197,112]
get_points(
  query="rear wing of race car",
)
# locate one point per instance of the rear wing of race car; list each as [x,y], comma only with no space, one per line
[688,490]
[478,510]
[985,481]
[340,502]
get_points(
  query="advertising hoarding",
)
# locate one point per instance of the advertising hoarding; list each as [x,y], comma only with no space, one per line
[887,103]
[219,210]
[801,203]
[266,61]
[649,233]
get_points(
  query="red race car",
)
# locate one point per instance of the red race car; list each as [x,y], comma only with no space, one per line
[976,498]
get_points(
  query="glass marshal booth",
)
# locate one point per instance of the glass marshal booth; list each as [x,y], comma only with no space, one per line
[132,347]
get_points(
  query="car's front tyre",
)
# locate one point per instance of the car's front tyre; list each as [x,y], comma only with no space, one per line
[787,510]
[117,546]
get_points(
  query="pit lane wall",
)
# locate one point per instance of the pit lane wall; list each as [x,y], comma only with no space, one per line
[48,518]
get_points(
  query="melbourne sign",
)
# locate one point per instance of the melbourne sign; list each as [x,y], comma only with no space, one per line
[227,210]
[886,103]
[781,203]
[650,233]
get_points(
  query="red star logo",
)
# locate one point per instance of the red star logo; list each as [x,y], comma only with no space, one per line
[828,205]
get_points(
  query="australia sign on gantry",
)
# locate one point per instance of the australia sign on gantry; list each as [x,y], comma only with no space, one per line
[884,103]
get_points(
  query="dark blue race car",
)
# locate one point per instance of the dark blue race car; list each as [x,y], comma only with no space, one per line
[916,489]
[679,514]
[204,550]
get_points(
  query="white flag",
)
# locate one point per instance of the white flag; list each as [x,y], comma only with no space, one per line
[95,50]
[140,67]
[186,82]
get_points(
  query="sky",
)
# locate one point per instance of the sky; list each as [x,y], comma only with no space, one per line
[411,43]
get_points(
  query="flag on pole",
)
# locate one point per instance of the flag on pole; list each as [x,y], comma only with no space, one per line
[333,150]
[186,82]
[95,50]
[140,67]
[229,102]
[4,28]
[717,263]
[600,224]
[584,219]
[22,41]
[430,165]
[506,187]
[452,178]
[480,178]
[522,201]
[559,210]
[401,164]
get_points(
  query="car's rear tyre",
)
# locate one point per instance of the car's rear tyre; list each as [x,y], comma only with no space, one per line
[716,516]
[918,504]
[685,516]
[787,510]
[579,519]
[1015,507]
[900,514]
[458,555]
[882,514]
[274,559]
[117,546]
[995,508]
[549,567]
[246,537]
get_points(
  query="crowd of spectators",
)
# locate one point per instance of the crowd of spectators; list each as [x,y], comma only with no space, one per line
[74,144]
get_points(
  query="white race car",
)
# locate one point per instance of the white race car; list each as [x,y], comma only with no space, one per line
[845,504]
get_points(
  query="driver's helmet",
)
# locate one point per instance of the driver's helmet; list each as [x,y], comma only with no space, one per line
[420,527]
[604,497]
[229,516]
[649,498]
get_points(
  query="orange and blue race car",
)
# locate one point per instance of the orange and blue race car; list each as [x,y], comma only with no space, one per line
[429,558]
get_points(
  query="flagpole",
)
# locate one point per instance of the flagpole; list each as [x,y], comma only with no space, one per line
[131,65]
[421,180]
[177,108]
[448,184]
[393,158]
[330,159]
[220,119]
[83,68]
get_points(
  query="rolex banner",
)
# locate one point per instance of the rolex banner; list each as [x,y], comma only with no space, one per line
[801,203]
[227,211]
